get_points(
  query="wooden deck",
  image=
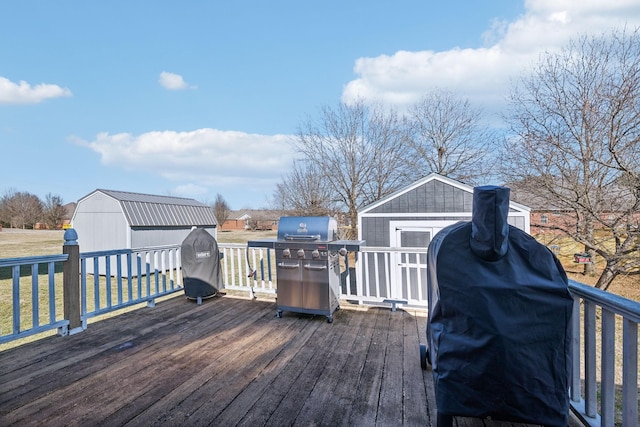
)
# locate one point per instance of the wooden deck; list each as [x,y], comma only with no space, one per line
[227,362]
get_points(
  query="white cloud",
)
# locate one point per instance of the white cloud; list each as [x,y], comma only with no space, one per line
[24,93]
[484,75]
[189,190]
[200,160]
[172,81]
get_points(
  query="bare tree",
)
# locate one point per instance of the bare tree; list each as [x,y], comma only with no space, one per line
[304,191]
[21,209]
[53,211]
[576,137]
[221,209]
[359,151]
[6,213]
[449,139]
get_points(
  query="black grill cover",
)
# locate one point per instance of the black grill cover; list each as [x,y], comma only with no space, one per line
[499,319]
[200,264]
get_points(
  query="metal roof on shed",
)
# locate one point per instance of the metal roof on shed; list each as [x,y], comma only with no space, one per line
[147,210]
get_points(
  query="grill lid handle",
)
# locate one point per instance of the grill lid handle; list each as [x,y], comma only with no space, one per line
[301,237]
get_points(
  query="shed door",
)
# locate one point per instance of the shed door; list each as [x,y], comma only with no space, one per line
[409,269]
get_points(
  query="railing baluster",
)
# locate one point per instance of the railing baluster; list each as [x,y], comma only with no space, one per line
[269,272]
[139,273]
[35,306]
[52,291]
[629,373]
[147,269]
[233,271]
[107,280]
[238,266]
[96,284]
[262,281]
[83,291]
[163,258]
[243,269]
[420,276]
[155,271]
[225,264]
[179,266]
[171,281]
[376,270]
[16,298]
[119,277]
[576,394]
[408,276]
[590,359]
[607,383]
[129,279]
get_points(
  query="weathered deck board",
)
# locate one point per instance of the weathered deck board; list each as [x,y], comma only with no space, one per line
[227,362]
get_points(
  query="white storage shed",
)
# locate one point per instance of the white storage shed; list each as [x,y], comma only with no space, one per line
[108,219]
[409,218]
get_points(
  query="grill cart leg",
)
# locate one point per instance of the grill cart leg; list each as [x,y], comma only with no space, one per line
[329,319]
[394,302]
[279,314]
[424,356]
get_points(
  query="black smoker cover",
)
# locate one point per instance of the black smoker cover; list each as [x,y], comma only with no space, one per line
[499,319]
[200,259]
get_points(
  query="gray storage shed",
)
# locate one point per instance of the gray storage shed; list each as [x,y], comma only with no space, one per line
[409,218]
[108,219]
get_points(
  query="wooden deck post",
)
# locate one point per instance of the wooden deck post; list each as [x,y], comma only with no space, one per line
[71,281]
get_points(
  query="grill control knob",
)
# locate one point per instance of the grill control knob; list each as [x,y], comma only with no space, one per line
[300,253]
[286,253]
[342,251]
[315,254]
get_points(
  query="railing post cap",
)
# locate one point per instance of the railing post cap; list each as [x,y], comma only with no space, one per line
[70,237]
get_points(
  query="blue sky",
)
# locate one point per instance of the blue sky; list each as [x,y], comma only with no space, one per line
[195,98]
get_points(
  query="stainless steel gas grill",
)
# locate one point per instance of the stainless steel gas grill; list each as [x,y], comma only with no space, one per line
[308,264]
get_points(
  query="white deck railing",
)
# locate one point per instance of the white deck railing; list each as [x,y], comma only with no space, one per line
[116,279]
[611,375]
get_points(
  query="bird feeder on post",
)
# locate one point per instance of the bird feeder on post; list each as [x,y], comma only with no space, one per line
[582,258]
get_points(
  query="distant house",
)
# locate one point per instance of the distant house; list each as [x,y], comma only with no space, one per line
[237,220]
[108,219]
[547,218]
[65,221]
[69,209]
[250,219]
